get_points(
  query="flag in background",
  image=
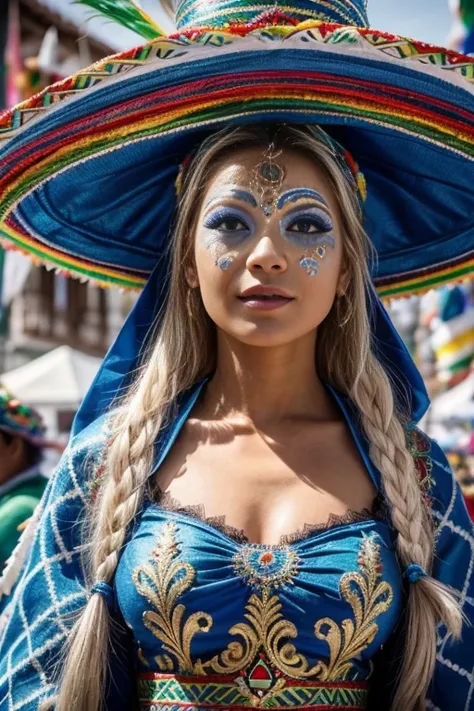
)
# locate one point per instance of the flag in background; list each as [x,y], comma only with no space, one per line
[467,17]
[13,56]
[462,33]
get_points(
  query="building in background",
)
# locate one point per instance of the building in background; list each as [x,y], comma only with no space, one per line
[40,309]
[53,310]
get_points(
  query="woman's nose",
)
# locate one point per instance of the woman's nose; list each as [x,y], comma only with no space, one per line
[265,257]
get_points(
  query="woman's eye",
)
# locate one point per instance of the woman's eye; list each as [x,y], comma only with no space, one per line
[304,225]
[226,223]
[309,225]
[232,224]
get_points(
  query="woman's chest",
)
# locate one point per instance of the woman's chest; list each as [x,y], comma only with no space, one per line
[269,488]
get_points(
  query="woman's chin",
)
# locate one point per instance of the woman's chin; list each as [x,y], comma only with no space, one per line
[265,335]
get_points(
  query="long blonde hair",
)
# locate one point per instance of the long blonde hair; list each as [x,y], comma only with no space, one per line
[182,351]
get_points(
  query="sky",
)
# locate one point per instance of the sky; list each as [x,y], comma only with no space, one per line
[430,21]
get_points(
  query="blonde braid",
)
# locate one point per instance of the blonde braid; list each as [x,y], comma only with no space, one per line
[429,602]
[119,502]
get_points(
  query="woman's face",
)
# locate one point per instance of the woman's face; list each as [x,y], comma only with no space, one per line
[268,247]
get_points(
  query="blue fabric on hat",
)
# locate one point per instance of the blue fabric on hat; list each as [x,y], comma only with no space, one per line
[196,14]
[402,173]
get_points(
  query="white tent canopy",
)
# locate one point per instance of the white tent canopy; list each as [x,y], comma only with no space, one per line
[58,378]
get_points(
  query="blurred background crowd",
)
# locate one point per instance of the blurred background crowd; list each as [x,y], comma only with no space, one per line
[54,330]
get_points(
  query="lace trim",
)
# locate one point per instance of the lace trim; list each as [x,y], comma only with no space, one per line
[168,503]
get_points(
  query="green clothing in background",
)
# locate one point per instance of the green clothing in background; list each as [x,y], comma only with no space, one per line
[18,500]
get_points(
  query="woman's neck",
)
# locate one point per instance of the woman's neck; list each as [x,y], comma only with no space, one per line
[267,383]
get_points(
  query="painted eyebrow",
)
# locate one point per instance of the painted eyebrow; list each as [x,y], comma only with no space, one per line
[242,195]
[299,193]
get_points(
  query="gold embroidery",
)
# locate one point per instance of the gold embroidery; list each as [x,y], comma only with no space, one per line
[369,598]
[163,580]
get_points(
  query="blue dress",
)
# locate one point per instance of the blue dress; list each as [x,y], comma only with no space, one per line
[222,622]
[206,620]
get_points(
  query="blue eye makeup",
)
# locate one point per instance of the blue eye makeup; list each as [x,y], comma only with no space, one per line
[306,227]
[229,222]
[228,228]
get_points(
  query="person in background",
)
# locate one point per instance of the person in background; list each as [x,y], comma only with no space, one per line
[22,442]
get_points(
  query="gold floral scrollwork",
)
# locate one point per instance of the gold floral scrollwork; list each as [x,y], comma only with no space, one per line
[369,598]
[162,581]
[265,634]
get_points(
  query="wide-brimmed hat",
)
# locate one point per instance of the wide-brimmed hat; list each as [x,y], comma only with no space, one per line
[88,166]
[16,418]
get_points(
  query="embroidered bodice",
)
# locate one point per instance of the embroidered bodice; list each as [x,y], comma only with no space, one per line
[293,624]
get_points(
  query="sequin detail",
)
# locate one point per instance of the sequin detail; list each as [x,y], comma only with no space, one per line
[260,567]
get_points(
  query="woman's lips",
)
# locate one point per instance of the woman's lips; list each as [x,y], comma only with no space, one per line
[265,303]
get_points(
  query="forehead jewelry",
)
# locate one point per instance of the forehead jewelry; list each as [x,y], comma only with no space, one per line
[267,179]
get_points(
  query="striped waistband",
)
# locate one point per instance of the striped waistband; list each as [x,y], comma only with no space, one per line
[174,692]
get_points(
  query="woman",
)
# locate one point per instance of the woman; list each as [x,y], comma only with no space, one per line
[316,574]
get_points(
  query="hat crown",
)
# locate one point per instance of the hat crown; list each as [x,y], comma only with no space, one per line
[219,13]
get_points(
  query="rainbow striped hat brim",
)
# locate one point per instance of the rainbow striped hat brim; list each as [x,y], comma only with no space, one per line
[87,167]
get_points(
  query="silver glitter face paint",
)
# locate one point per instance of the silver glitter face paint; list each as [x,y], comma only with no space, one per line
[225,262]
[238,193]
[315,226]
[310,265]
[311,258]
[308,227]
[221,241]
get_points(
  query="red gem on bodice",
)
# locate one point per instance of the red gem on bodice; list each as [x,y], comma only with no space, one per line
[261,676]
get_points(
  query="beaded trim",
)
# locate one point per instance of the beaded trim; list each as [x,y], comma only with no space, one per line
[226,13]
